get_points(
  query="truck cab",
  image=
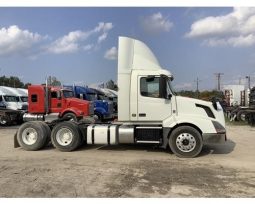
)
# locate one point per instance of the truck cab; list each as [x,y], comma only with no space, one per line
[46,100]
[102,108]
[112,96]
[9,99]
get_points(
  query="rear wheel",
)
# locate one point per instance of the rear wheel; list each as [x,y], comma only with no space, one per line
[32,136]
[66,136]
[185,141]
[47,131]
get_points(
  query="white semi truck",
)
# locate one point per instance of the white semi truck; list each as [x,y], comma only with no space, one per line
[149,111]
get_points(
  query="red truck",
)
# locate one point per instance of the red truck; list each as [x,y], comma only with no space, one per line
[47,103]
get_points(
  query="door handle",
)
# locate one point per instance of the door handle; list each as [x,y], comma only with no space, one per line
[142,114]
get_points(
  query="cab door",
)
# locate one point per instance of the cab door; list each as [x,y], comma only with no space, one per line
[56,102]
[151,107]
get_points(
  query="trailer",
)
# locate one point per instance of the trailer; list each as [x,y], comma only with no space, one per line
[149,112]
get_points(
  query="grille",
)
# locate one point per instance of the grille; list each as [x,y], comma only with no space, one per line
[91,108]
[110,107]
[13,116]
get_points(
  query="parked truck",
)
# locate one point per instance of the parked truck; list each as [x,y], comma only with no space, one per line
[47,103]
[112,96]
[148,112]
[103,109]
[246,112]
[9,97]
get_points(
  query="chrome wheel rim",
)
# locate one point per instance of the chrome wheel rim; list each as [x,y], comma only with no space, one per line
[242,116]
[29,136]
[186,142]
[64,136]
[3,121]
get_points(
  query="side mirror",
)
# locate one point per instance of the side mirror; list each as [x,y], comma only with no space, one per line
[169,96]
[162,87]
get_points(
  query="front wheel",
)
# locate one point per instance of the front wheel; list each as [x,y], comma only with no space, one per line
[4,120]
[185,141]
[71,117]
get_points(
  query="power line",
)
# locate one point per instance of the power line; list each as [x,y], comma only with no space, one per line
[197,82]
[218,78]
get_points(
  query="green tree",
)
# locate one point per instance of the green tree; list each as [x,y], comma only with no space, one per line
[53,81]
[11,81]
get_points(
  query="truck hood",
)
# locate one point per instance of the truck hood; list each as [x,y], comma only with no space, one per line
[198,108]
[13,105]
[76,101]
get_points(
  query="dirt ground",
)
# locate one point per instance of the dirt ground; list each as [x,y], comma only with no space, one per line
[129,171]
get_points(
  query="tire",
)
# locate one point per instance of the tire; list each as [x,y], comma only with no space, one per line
[239,115]
[71,117]
[4,120]
[185,141]
[47,131]
[66,136]
[99,116]
[32,136]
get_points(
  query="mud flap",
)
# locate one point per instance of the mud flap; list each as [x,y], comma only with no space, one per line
[16,143]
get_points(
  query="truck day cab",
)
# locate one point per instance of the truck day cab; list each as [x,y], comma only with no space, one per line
[148,112]
[50,103]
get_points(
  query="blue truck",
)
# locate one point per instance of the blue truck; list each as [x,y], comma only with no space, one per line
[103,109]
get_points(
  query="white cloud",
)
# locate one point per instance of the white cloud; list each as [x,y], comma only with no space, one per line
[73,41]
[88,47]
[236,29]
[102,37]
[156,23]
[14,40]
[111,54]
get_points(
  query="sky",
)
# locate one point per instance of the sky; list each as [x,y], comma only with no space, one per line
[78,45]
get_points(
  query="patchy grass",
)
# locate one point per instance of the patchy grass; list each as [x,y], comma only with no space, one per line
[235,123]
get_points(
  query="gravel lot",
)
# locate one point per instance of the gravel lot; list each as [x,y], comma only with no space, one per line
[129,171]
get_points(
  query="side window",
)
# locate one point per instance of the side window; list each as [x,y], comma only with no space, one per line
[34,98]
[54,94]
[1,99]
[149,87]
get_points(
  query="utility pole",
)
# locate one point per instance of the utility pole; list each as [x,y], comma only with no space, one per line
[218,77]
[197,82]
[249,81]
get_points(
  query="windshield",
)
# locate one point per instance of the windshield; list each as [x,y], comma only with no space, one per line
[24,98]
[68,94]
[101,97]
[170,89]
[11,98]
[91,97]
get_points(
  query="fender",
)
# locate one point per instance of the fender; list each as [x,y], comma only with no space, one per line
[203,123]
[74,110]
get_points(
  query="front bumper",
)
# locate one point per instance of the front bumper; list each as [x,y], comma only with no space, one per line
[214,138]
